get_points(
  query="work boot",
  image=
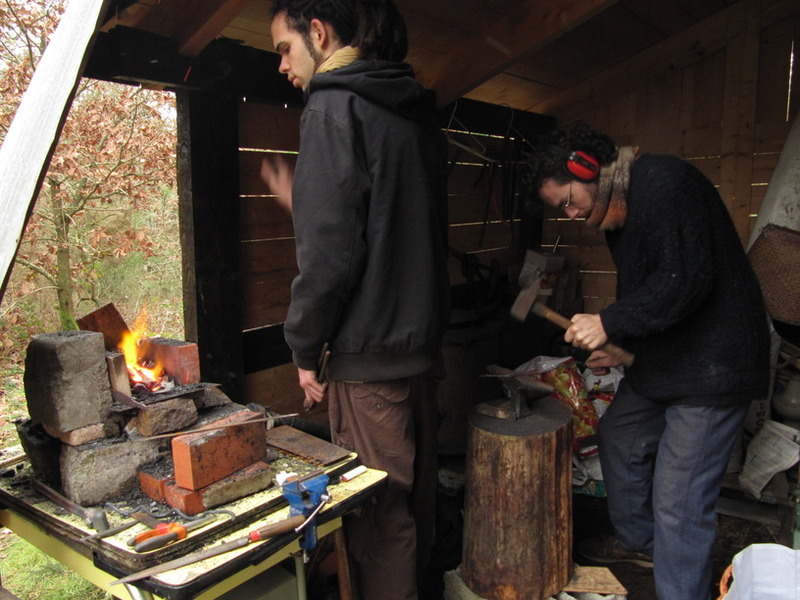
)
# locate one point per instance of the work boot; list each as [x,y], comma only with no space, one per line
[608,550]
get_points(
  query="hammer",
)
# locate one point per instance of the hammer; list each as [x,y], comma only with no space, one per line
[94,517]
[526,303]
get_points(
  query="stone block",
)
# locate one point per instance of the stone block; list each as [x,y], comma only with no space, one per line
[165,416]
[245,482]
[66,379]
[118,375]
[205,457]
[103,470]
[43,451]
[211,397]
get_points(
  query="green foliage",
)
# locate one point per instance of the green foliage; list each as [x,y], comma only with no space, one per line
[105,224]
[31,574]
[104,230]
[12,405]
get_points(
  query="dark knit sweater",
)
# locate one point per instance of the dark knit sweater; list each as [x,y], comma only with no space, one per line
[688,303]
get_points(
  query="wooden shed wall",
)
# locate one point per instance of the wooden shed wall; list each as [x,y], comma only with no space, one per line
[486,232]
[721,95]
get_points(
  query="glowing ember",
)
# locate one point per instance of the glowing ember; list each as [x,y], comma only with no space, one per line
[141,372]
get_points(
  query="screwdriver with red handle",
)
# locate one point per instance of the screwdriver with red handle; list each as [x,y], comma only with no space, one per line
[292,524]
[165,533]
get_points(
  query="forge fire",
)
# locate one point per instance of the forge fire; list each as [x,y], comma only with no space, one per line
[101,398]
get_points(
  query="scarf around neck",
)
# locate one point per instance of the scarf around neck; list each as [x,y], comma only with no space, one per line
[341,58]
[610,205]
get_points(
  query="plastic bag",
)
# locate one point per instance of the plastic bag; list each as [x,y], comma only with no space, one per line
[763,572]
[608,382]
[564,376]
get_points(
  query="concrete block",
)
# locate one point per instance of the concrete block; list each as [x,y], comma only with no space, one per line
[99,471]
[245,482]
[205,457]
[165,416]
[66,379]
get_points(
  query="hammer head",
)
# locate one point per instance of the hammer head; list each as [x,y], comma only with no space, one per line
[535,267]
[96,518]
[525,300]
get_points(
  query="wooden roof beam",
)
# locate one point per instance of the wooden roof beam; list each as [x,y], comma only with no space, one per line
[193,24]
[529,26]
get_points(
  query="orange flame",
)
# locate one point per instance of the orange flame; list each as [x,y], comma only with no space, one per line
[129,345]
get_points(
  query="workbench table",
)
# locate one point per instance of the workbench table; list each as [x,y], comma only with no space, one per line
[102,561]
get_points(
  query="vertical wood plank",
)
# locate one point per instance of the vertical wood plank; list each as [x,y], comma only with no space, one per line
[208,190]
[739,112]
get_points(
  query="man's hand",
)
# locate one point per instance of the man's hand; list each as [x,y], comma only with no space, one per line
[586,332]
[315,391]
[601,361]
[278,175]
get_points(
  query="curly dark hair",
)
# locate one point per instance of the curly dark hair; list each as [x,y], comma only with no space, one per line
[548,160]
[375,27]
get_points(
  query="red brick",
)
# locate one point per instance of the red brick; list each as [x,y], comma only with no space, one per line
[189,501]
[247,481]
[180,359]
[153,486]
[205,457]
[80,436]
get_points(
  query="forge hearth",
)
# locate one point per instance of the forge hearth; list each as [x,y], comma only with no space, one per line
[90,432]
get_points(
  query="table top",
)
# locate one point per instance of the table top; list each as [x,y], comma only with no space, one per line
[114,556]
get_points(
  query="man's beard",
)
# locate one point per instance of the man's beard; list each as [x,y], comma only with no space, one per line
[315,56]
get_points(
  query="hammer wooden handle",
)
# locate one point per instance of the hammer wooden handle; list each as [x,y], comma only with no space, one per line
[541,310]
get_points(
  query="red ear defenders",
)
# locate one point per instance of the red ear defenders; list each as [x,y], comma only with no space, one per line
[583,166]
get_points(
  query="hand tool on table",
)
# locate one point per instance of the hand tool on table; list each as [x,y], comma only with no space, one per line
[291,524]
[305,488]
[526,303]
[165,533]
[137,517]
[93,517]
[306,496]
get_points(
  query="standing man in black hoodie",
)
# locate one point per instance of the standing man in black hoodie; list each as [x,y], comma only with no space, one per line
[368,202]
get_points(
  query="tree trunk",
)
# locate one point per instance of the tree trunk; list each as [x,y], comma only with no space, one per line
[518,504]
[66,309]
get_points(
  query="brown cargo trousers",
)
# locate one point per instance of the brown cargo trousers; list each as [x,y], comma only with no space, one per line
[392,426]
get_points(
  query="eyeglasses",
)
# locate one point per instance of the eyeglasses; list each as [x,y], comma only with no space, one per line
[565,205]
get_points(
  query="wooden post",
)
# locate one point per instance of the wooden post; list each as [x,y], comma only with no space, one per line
[518,504]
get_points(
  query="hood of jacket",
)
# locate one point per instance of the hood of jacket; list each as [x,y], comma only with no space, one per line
[389,84]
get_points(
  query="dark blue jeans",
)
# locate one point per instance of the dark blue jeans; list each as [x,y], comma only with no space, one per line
[663,466]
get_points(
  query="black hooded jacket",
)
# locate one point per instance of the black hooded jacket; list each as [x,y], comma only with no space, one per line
[369,204]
